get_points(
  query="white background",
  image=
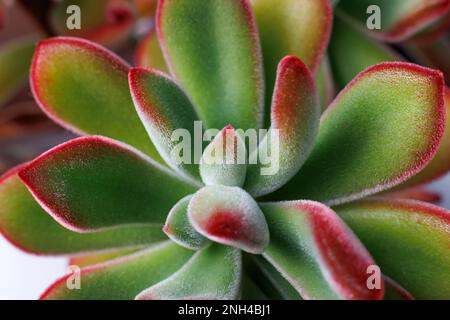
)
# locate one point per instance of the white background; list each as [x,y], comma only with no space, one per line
[23,276]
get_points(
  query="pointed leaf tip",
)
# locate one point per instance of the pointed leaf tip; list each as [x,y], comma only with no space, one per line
[224,160]
[164,109]
[84,87]
[316,252]
[230,216]
[383,128]
[295,117]
[95,182]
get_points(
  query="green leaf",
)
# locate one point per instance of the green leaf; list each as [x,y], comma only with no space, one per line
[213,273]
[295,27]
[352,51]
[224,160]
[149,54]
[409,241]
[316,252]
[98,257]
[383,128]
[294,124]
[399,19]
[230,216]
[122,278]
[94,182]
[108,22]
[84,87]
[15,60]
[213,49]
[26,225]
[325,84]
[163,108]
[440,165]
[179,229]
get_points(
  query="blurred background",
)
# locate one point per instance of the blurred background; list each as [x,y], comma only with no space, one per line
[126,27]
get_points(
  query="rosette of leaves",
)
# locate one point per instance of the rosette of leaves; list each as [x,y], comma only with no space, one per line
[144,226]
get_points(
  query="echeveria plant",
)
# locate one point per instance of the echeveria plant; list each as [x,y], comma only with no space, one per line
[145,226]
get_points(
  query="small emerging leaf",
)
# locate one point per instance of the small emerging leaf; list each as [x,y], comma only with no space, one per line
[179,229]
[213,273]
[230,216]
[224,160]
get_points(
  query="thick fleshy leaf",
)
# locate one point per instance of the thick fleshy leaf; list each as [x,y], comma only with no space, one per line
[294,124]
[94,182]
[149,53]
[84,87]
[15,60]
[316,252]
[213,50]
[440,165]
[26,225]
[271,281]
[164,108]
[180,230]
[123,278]
[383,128]
[230,216]
[224,160]
[213,273]
[295,27]
[98,257]
[108,22]
[400,19]
[365,51]
[409,241]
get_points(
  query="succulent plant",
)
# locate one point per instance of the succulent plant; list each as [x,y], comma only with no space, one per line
[142,225]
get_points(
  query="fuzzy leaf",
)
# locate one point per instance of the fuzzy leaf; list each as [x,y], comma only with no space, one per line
[149,54]
[440,165]
[84,87]
[316,252]
[383,128]
[179,229]
[163,108]
[108,22]
[94,182]
[213,273]
[123,278]
[213,50]
[224,160]
[26,225]
[295,120]
[409,241]
[230,216]
[15,59]
[400,19]
[295,27]
[99,257]
[365,51]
